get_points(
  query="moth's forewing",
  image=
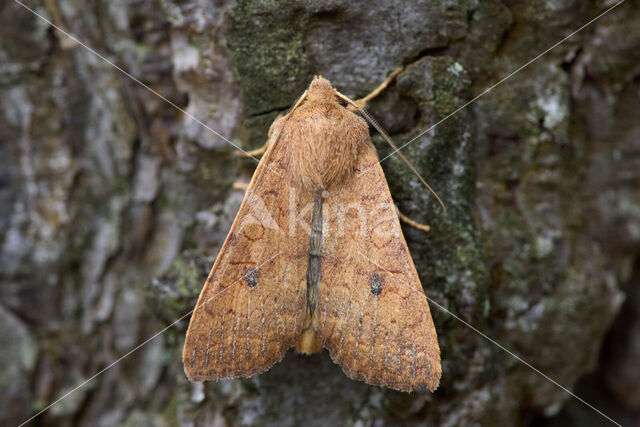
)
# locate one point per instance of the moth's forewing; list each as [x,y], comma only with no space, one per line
[252,307]
[372,313]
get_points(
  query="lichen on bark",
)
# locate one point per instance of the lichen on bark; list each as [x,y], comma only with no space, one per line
[113,204]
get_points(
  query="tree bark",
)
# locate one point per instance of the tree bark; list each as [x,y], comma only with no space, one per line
[114,204]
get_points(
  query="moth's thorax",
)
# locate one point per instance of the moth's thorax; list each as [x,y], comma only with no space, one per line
[322,139]
[320,90]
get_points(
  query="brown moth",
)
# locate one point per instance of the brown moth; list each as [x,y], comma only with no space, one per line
[316,258]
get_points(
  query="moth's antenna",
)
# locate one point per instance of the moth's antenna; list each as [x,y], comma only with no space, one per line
[363,101]
[384,134]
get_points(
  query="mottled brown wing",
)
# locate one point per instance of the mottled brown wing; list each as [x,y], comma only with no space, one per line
[372,314]
[253,304]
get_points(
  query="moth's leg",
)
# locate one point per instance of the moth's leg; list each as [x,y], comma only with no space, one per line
[411,222]
[253,153]
[362,102]
[244,186]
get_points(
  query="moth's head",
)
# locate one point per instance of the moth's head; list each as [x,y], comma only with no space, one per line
[320,88]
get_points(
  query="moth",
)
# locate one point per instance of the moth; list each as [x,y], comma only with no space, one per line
[316,258]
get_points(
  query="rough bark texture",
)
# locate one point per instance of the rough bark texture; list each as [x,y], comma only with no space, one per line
[113,204]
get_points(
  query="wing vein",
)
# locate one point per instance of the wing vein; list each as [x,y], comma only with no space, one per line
[248,323]
[324,312]
[263,331]
[233,349]
[386,350]
[413,353]
[373,331]
[193,353]
[355,352]
[206,358]
[399,357]
[221,338]
[275,305]
[345,323]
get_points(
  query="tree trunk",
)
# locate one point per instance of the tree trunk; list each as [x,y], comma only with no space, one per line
[114,204]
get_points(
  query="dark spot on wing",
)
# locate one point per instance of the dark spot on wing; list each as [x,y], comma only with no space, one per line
[252,277]
[376,284]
